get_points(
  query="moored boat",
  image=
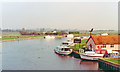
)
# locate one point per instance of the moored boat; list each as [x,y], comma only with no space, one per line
[70,36]
[91,55]
[68,42]
[63,50]
[49,37]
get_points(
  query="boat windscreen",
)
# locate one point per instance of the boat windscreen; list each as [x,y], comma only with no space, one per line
[65,43]
[67,49]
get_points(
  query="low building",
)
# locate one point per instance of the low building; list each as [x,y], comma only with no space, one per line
[104,34]
[109,42]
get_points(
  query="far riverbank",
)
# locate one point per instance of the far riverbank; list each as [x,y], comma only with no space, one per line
[23,37]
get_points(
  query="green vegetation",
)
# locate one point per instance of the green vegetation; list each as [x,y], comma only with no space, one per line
[88,34]
[115,60]
[13,35]
[74,32]
[83,43]
[18,37]
[24,37]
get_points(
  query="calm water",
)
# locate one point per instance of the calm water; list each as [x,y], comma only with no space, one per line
[38,54]
[0,56]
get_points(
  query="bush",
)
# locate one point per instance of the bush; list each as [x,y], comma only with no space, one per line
[74,32]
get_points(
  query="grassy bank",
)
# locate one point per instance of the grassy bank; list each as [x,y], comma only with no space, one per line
[115,60]
[112,59]
[20,37]
[99,33]
[83,43]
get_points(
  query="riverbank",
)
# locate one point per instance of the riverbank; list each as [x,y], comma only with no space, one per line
[115,60]
[23,37]
[109,63]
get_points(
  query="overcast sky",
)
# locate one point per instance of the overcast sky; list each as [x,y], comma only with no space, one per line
[60,15]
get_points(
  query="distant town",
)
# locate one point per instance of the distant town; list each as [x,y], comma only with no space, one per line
[49,31]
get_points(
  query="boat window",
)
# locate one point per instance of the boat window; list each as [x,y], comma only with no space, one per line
[103,52]
[97,51]
[65,44]
[62,49]
[111,45]
[104,46]
[90,53]
[66,49]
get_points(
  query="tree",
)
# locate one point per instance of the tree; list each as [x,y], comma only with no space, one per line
[74,32]
[23,31]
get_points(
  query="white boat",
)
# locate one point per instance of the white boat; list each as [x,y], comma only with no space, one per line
[68,42]
[63,50]
[49,37]
[70,36]
[93,55]
[90,55]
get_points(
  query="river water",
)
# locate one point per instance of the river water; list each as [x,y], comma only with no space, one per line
[38,54]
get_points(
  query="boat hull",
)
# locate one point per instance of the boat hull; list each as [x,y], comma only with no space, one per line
[62,53]
[87,57]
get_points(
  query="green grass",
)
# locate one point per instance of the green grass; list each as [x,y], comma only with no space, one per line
[23,37]
[93,33]
[115,61]
[20,37]
[83,43]
[119,52]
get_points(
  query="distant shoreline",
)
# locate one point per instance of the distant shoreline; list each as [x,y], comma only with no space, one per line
[20,39]
[27,39]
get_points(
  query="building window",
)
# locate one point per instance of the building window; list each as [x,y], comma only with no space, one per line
[111,45]
[104,46]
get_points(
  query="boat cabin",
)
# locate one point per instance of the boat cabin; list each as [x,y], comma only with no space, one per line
[101,51]
[68,42]
[89,53]
[65,43]
[63,48]
[115,53]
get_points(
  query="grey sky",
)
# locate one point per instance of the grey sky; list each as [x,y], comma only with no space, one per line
[60,15]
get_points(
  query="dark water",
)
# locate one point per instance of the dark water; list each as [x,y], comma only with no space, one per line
[38,54]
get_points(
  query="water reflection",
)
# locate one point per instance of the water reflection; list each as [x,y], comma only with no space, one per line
[0,56]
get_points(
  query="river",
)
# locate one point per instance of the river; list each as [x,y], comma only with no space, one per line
[38,54]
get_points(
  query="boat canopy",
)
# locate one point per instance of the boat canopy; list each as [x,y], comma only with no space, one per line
[115,52]
[89,52]
[63,46]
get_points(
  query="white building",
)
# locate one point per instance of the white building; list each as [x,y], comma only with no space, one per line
[70,36]
[104,34]
[109,42]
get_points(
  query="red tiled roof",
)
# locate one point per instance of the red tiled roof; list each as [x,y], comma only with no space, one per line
[108,39]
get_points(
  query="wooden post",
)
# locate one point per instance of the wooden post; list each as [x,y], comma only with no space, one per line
[79,45]
[75,45]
